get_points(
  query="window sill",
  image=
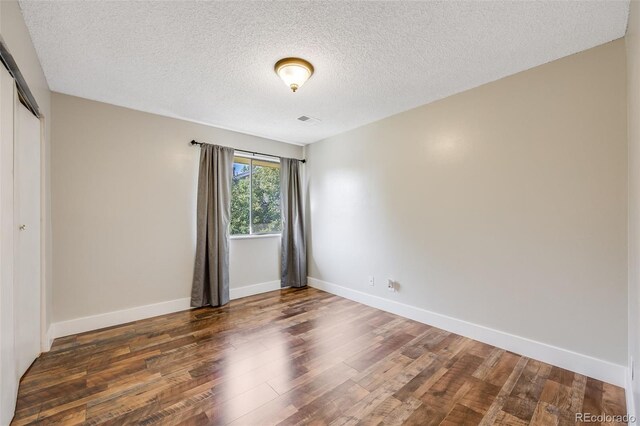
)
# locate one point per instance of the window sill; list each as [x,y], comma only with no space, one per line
[251,237]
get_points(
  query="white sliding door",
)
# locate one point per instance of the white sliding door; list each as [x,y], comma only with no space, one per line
[27,237]
[8,368]
[20,249]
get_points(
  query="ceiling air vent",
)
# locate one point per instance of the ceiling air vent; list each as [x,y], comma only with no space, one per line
[308,120]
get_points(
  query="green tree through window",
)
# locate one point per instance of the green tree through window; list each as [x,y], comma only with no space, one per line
[255,197]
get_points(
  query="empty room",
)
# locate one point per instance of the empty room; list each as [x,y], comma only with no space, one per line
[259,213]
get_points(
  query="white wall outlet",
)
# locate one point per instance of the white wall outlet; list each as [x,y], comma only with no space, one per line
[372,281]
[391,285]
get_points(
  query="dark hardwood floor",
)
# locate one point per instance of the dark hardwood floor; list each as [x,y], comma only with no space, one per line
[297,357]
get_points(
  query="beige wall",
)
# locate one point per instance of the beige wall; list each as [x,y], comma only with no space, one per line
[633,98]
[505,205]
[124,202]
[15,34]
[254,260]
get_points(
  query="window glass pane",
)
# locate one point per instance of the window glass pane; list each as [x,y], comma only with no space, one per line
[265,197]
[240,196]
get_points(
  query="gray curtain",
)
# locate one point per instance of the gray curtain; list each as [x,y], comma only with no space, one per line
[211,270]
[294,247]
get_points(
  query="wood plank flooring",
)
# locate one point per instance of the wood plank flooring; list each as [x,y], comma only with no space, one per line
[298,356]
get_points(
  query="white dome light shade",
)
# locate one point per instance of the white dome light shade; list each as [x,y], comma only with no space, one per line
[294,72]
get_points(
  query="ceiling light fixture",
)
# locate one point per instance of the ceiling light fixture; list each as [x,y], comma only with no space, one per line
[293,71]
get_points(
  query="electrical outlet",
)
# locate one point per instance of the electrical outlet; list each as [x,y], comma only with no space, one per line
[391,285]
[372,281]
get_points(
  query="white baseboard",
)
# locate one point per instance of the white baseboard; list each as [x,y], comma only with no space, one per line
[48,339]
[250,290]
[108,319]
[631,403]
[569,360]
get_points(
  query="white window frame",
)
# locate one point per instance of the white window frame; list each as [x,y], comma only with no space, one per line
[251,234]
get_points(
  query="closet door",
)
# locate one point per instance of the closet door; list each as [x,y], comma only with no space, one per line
[20,249]
[27,237]
[8,368]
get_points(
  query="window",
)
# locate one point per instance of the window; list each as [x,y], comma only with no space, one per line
[255,197]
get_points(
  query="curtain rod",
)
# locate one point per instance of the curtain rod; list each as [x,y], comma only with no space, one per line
[194,142]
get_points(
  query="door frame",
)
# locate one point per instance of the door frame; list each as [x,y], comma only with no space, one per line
[45,334]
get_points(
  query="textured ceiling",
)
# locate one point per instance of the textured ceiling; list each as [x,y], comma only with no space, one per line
[212,62]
